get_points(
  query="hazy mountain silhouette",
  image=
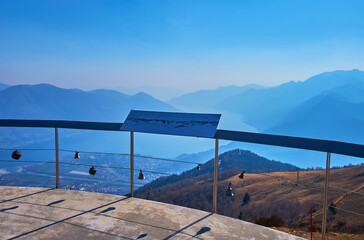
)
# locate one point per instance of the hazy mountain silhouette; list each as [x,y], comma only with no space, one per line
[44,101]
[265,108]
[3,86]
[207,99]
[328,116]
[47,102]
[327,106]
[162,93]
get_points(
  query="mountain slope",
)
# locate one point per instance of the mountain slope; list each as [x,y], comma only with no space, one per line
[264,108]
[45,101]
[3,86]
[162,93]
[274,195]
[48,102]
[207,99]
[329,116]
[230,163]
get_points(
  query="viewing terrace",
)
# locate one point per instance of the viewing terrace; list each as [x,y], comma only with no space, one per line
[46,213]
[38,213]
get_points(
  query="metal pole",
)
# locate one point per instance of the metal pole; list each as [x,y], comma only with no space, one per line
[311,223]
[324,210]
[57,157]
[131,164]
[215,175]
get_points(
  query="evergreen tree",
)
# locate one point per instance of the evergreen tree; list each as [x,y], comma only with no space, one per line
[246,198]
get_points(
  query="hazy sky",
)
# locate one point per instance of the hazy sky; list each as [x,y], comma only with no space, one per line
[187,45]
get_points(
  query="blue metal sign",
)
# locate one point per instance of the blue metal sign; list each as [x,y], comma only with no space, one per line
[172,123]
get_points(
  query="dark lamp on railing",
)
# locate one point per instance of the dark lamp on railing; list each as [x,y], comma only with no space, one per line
[198,167]
[242,174]
[229,191]
[77,154]
[141,175]
[16,155]
[92,170]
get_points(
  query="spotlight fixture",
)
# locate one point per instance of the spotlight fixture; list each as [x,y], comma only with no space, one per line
[242,174]
[77,154]
[92,170]
[16,155]
[141,175]
[198,167]
[229,191]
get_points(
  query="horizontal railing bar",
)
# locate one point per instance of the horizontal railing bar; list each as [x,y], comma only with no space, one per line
[85,165]
[348,211]
[101,153]
[104,126]
[319,186]
[343,148]
[90,165]
[29,149]
[106,166]
[349,149]
[165,159]
[24,161]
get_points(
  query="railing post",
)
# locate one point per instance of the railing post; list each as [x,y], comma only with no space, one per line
[57,157]
[215,175]
[326,190]
[131,164]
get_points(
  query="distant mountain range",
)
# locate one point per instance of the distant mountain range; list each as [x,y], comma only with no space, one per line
[206,100]
[327,106]
[161,93]
[266,108]
[44,101]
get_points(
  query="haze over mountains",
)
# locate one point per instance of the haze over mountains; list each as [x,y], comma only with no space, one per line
[44,101]
[208,99]
[269,109]
[328,106]
[162,93]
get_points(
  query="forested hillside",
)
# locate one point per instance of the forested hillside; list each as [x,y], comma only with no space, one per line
[267,198]
[230,163]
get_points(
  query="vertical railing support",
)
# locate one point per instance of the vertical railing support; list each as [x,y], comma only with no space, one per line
[131,164]
[326,190]
[57,156]
[216,165]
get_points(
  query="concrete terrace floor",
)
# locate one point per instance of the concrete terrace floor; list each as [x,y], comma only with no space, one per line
[40,213]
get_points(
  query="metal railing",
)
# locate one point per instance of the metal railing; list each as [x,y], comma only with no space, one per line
[343,148]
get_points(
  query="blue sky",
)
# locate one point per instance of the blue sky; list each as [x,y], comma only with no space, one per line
[188,45]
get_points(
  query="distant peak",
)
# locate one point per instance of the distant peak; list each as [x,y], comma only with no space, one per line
[141,93]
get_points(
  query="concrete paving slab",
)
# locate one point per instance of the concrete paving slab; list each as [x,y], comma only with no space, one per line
[72,199]
[9,193]
[33,213]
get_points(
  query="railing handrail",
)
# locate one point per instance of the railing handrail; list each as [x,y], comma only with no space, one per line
[338,147]
[343,148]
[103,126]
